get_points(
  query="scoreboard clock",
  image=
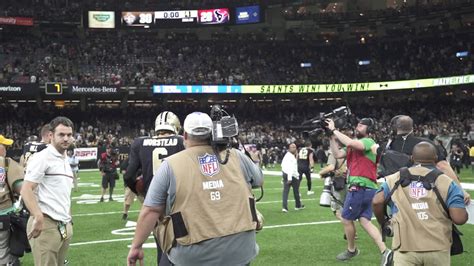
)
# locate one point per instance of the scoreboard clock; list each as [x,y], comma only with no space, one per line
[175,18]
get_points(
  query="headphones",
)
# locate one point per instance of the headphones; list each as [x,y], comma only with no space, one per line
[393,123]
[370,128]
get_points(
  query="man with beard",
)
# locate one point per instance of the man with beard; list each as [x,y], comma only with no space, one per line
[46,192]
[360,154]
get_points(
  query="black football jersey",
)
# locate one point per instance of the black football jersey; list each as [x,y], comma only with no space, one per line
[303,157]
[147,153]
[31,148]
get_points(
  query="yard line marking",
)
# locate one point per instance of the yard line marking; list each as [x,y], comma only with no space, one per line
[99,213]
[151,236]
[121,212]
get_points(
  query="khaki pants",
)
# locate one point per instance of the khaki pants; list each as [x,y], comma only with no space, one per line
[48,248]
[439,258]
[130,197]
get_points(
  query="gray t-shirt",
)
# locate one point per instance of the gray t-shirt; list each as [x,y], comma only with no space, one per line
[237,249]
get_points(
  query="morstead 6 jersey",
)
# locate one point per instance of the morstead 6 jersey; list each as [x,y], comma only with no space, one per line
[147,153]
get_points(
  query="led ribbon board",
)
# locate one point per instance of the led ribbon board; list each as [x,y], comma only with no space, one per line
[318,88]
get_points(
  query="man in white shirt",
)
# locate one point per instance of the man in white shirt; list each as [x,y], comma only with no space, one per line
[46,192]
[289,167]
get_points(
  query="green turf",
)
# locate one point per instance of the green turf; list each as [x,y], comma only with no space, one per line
[299,244]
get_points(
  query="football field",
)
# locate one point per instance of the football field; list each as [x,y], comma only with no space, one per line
[307,237]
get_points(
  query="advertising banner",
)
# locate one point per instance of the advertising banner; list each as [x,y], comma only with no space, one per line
[18,89]
[101,19]
[19,21]
[86,154]
[247,14]
[94,90]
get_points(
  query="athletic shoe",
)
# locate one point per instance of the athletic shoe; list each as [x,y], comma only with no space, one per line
[387,258]
[347,255]
[102,199]
[309,192]
[124,216]
[284,210]
[300,208]
[111,199]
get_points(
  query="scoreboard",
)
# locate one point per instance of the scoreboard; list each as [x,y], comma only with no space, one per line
[175,18]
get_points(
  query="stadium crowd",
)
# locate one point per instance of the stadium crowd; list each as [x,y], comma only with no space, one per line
[448,120]
[143,63]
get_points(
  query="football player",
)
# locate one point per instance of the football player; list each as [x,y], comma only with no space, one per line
[33,146]
[146,153]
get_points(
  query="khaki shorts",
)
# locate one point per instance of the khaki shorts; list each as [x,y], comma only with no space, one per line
[422,258]
[130,197]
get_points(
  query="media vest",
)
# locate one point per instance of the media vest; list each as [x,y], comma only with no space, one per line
[212,200]
[10,172]
[421,224]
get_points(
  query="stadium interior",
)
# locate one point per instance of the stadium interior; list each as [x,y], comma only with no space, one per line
[112,66]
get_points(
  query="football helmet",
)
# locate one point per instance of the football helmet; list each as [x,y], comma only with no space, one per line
[167,121]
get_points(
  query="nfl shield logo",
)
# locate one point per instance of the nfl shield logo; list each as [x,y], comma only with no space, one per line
[208,164]
[417,190]
[2,175]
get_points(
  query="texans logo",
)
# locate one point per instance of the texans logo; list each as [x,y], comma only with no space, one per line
[221,15]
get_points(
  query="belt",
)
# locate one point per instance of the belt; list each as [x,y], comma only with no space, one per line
[356,187]
[51,218]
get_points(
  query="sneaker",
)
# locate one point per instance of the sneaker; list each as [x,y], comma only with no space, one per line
[284,210]
[124,216]
[300,208]
[387,258]
[347,255]
[309,192]
[102,199]
[111,199]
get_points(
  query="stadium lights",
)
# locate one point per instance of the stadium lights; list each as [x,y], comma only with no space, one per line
[305,65]
[462,54]
[364,62]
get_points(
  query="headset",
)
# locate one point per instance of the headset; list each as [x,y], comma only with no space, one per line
[370,128]
[393,124]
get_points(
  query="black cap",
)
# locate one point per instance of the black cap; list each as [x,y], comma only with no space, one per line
[367,121]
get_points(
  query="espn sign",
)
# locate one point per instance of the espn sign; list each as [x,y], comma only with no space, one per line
[19,21]
[86,154]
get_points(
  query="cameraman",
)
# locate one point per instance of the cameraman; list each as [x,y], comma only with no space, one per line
[404,142]
[360,154]
[108,165]
[206,209]
[336,169]
[421,217]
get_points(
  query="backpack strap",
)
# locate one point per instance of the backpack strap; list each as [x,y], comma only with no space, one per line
[431,178]
[404,174]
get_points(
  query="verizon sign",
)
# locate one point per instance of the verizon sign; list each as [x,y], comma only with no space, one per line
[19,21]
